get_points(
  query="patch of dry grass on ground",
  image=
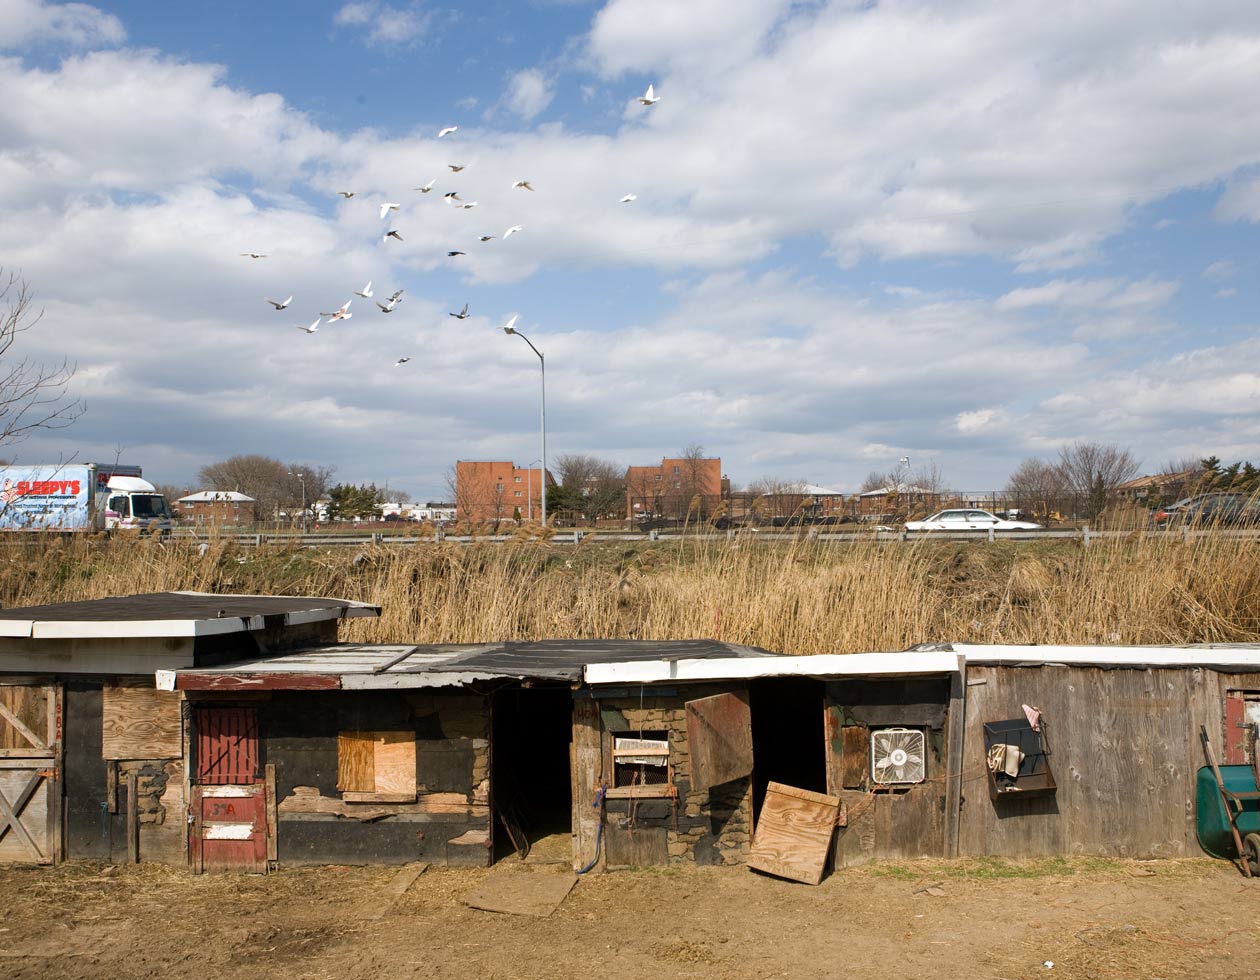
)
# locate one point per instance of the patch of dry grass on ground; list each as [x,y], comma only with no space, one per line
[800,596]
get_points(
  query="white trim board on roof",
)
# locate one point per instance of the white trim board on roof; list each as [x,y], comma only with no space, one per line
[909,662]
[1104,656]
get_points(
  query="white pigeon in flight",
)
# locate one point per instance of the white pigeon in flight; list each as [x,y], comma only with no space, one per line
[253,255]
[388,306]
[346,194]
[450,197]
[392,233]
[340,314]
[366,291]
[524,184]
[649,97]
[628,198]
[388,206]
[447,130]
[278,306]
[462,314]
[511,324]
[313,327]
[401,360]
[427,187]
[456,167]
[512,231]
[469,204]
[486,238]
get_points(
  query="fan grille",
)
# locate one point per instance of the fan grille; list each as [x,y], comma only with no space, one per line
[897,756]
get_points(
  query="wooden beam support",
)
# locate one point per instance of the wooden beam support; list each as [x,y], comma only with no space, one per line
[955,726]
[133,818]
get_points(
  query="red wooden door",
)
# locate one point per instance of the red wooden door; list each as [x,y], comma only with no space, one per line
[229,829]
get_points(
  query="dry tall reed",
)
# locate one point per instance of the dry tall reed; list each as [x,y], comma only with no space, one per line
[801,597]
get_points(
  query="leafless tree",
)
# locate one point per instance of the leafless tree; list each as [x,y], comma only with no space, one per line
[1093,470]
[32,395]
[596,487]
[1037,486]
[876,480]
[274,484]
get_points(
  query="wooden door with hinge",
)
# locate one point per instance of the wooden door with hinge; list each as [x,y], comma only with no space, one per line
[30,785]
[229,829]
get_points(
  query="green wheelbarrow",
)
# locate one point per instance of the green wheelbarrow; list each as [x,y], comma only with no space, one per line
[1227,811]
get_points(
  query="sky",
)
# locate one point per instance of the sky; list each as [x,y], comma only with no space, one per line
[967,233]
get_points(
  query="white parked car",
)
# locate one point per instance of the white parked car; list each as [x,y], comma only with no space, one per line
[968,520]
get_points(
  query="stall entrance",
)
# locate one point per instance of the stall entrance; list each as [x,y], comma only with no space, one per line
[788,735]
[531,793]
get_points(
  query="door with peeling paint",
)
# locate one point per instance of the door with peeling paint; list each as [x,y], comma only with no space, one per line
[228,831]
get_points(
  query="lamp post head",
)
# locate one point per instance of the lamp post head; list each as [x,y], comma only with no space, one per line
[509,331]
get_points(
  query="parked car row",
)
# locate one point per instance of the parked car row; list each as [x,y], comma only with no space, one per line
[1210,509]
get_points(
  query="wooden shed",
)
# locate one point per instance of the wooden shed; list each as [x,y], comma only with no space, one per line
[91,754]
[454,754]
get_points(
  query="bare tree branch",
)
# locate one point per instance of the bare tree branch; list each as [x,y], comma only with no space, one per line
[32,395]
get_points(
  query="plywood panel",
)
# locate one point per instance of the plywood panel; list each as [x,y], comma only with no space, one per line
[794,832]
[23,712]
[24,836]
[140,723]
[719,739]
[395,764]
[355,762]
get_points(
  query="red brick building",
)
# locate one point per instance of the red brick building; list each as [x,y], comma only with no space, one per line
[217,508]
[495,491]
[677,489]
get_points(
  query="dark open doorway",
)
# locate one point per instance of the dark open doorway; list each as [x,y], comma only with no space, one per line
[530,787]
[788,734]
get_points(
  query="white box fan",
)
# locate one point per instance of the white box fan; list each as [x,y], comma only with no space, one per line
[898,757]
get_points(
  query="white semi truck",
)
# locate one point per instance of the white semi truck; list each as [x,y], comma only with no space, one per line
[80,497]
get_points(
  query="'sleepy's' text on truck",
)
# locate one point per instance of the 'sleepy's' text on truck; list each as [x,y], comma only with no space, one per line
[83,497]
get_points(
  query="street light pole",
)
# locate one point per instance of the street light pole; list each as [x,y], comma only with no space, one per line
[302,480]
[510,330]
[529,488]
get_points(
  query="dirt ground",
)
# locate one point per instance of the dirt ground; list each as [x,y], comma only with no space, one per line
[1091,918]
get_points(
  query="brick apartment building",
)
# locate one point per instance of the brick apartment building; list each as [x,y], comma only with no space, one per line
[676,489]
[489,492]
[217,508]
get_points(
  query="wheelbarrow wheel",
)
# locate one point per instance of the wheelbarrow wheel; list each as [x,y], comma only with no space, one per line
[1251,852]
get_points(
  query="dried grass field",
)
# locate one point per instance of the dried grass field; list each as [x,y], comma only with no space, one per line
[800,597]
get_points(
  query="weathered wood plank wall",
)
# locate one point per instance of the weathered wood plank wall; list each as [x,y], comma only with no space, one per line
[1124,750]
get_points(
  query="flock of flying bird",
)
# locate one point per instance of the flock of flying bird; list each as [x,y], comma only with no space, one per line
[649,98]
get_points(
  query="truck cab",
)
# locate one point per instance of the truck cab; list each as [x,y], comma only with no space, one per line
[132,503]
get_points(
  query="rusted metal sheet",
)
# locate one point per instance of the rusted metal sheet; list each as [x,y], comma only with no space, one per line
[793,835]
[227,746]
[719,739]
[1235,737]
[257,682]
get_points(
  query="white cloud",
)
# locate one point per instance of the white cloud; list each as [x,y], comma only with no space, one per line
[1221,270]
[1103,295]
[976,420]
[25,22]
[1240,201]
[529,93]
[385,23]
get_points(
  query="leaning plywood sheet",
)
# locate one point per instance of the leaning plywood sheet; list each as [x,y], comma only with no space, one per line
[719,739]
[523,891]
[140,723]
[794,833]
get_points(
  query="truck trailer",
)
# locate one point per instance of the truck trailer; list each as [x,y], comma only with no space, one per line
[80,497]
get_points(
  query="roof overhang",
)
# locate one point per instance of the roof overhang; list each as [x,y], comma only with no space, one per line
[822,666]
[1225,657]
[300,611]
